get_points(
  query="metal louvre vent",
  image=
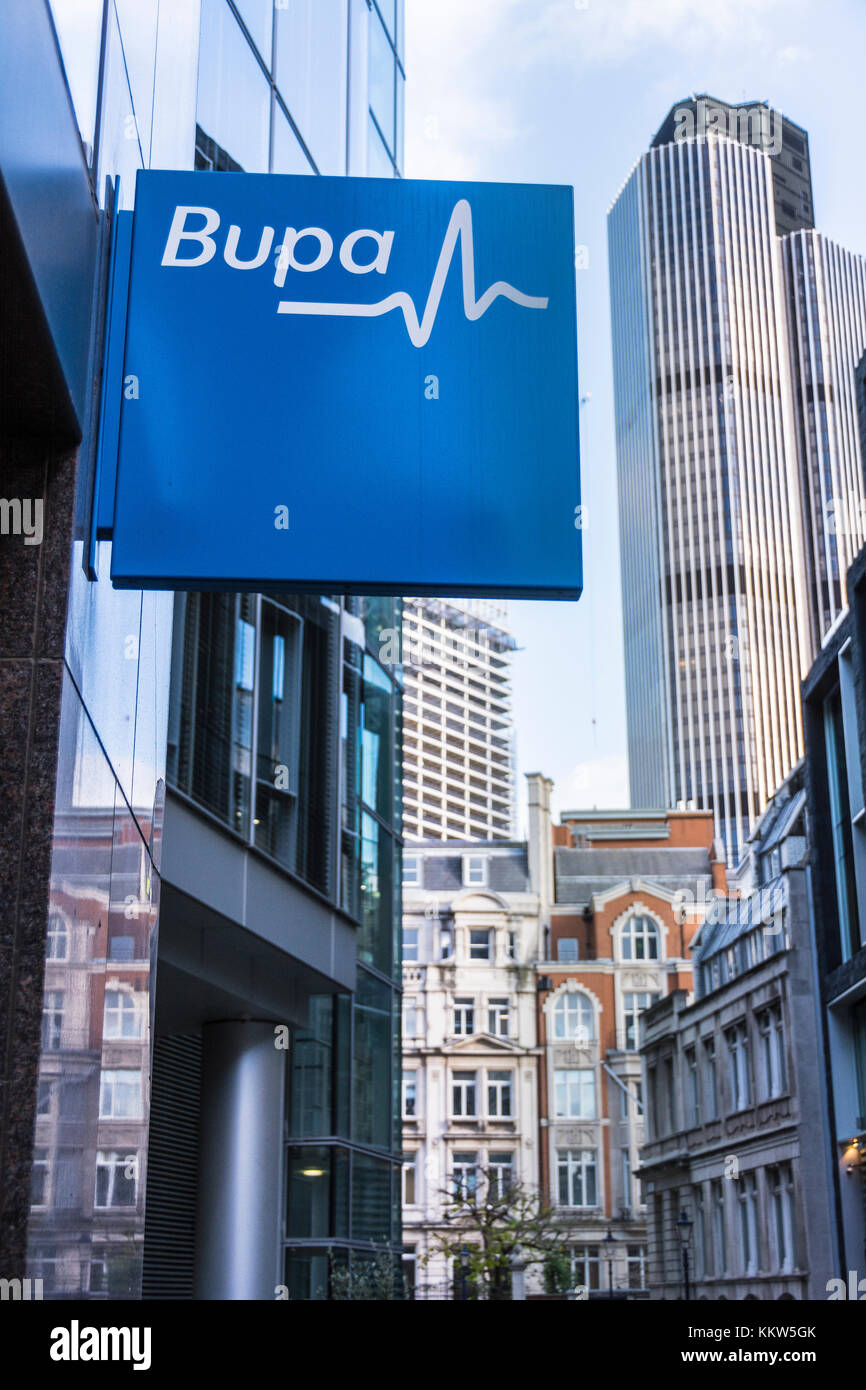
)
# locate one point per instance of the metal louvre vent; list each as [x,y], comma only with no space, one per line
[172,1169]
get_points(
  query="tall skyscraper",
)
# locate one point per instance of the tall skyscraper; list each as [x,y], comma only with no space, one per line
[712,390]
[458,746]
[827,323]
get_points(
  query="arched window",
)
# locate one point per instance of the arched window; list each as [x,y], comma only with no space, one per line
[640,939]
[58,937]
[574,1017]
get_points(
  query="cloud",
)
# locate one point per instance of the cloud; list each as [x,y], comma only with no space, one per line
[471,66]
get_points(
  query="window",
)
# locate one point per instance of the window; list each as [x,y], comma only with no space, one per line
[720,1244]
[120,1095]
[739,1076]
[773,1070]
[463,1094]
[409,1266]
[410,944]
[121,1018]
[500,1170]
[464,1017]
[116,1180]
[577,1170]
[633,1006]
[566,950]
[474,870]
[498,1013]
[57,940]
[625,1168]
[858,1033]
[747,1198]
[575,1093]
[711,1081]
[511,945]
[479,945]
[52,1019]
[410,1019]
[44,1092]
[701,1268]
[411,871]
[464,1174]
[780,1180]
[39,1179]
[574,1017]
[409,1166]
[499,1094]
[842,834]
[636,1266]
[639,939]
[121,948]
[585,1267]
[693,1091]
[446,943]
[410,1094]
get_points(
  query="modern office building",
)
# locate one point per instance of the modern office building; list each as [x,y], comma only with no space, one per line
[826,289]
[835,726]
[470,1066]
[622,899]
[736,330]
[199,985]
[734,1165]
[458,748]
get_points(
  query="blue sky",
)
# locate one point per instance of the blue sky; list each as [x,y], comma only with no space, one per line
[564,91]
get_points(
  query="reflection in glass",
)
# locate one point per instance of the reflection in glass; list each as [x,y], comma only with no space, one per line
[381,82]
[234,95]
[315,91]
[79,25]
[372,1070]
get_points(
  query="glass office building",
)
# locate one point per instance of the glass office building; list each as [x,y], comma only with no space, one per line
[201,1008]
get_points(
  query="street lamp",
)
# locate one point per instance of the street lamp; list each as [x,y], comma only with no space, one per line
[684,1231]
[464,1266]
[607,1254]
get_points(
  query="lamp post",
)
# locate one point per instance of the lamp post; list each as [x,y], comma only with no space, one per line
[464,1266]
[607,1254]
[684,1231]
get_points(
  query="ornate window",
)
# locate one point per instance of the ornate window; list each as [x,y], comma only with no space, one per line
[639,939]
[574,1017]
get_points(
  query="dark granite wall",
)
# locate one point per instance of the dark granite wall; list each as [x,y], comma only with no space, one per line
[33,594]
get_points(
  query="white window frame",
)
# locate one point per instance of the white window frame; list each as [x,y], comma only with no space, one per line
[53,1001]
[110,1079]
[124,1010]
[407,932]
[479,931]
[631,1013]
[412,875]
[112,1160]
[575,1083]
[499,1016]
[409,1178]
[465,1085]
[464,1013]
[574,1017]
[410,1081]
[499,1089]
[500,1174]
[639,928]
[464,1175]
[747,1200]
[771,1029]
[475,870]
[739,1071]
[58,932]
[579,1168]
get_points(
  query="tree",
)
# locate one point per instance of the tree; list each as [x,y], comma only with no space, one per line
[493,1223]
[370,1278]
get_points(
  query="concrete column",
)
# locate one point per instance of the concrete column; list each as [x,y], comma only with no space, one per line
[240,1162]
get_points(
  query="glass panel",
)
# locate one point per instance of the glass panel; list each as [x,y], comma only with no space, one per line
[79,30]
[138,27]
[373,1099]
[377,770]
[311,59]
[381,81]
[257,15]
[288,156]
[312,1069]
[311,1194]
[379,165]
[234,96]
[375,938]
[279,708]
[371,1198]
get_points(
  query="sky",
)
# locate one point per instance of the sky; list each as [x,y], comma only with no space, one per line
[572,91]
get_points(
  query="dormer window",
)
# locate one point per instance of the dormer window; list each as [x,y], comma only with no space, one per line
[474,870]
[411,871]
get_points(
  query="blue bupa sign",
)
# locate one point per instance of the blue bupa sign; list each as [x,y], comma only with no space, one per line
[339,384]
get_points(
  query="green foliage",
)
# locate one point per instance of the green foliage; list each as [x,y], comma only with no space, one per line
[371,1278]
[557,1273]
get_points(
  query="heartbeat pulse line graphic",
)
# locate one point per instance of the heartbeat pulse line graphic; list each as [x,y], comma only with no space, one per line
[459,225]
